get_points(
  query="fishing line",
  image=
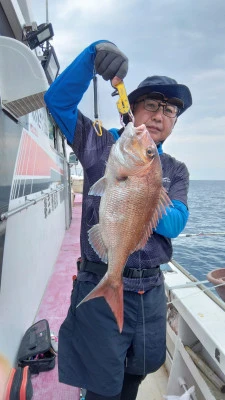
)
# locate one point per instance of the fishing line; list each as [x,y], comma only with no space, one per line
[143,312]
[91,208]
[194,294]
[201,234]
[143,319]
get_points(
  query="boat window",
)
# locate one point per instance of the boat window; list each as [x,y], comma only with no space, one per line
[55,136]
[51,133]
[60,142]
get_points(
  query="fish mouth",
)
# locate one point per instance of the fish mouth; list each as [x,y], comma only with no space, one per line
[137,149]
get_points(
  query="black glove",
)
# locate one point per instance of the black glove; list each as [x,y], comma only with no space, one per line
[110,61]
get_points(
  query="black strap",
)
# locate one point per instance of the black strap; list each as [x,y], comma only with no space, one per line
[100,269]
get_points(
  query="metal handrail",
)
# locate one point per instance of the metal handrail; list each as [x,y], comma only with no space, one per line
[205,289]
[29,203]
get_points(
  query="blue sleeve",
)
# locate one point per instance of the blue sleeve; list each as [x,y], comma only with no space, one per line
[172,223]
[65,93]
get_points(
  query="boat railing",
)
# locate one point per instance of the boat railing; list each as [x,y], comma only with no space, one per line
[205,289]
[31,202]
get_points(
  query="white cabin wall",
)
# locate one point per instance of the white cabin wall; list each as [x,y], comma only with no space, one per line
[27,268]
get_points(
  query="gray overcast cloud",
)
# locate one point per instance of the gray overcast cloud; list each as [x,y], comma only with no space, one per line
[183,39]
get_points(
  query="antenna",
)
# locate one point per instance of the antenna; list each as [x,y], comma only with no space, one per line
[46,11]
[47,43]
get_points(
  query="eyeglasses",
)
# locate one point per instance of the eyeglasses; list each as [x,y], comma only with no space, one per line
[170,110]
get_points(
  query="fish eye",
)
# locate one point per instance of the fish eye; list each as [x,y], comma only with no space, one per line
[150,152]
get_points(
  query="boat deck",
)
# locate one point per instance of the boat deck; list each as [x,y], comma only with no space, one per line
[54,306]
[154,386]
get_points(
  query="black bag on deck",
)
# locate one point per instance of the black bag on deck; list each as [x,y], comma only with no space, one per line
[36,350]
[19,386]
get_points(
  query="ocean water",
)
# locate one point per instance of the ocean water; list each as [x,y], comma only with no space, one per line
[201,254]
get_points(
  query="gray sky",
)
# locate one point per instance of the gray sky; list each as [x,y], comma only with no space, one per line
[183,39]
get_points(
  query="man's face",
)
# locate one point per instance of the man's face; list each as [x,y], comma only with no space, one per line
[159,125]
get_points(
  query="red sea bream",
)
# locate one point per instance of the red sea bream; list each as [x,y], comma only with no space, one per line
[132,201]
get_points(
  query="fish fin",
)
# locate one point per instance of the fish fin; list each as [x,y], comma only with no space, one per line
[164,198]
[144,238]
[96,242]
[113,294]
[98,188]
[160,210]
[164,201]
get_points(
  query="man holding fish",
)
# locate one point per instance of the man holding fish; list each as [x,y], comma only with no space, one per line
[134,202]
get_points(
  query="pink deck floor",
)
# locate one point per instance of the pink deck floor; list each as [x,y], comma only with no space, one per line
[54,308]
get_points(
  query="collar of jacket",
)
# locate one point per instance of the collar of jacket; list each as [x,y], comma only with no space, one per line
[159,148]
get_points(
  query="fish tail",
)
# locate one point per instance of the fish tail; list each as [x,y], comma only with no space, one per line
[113,294]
